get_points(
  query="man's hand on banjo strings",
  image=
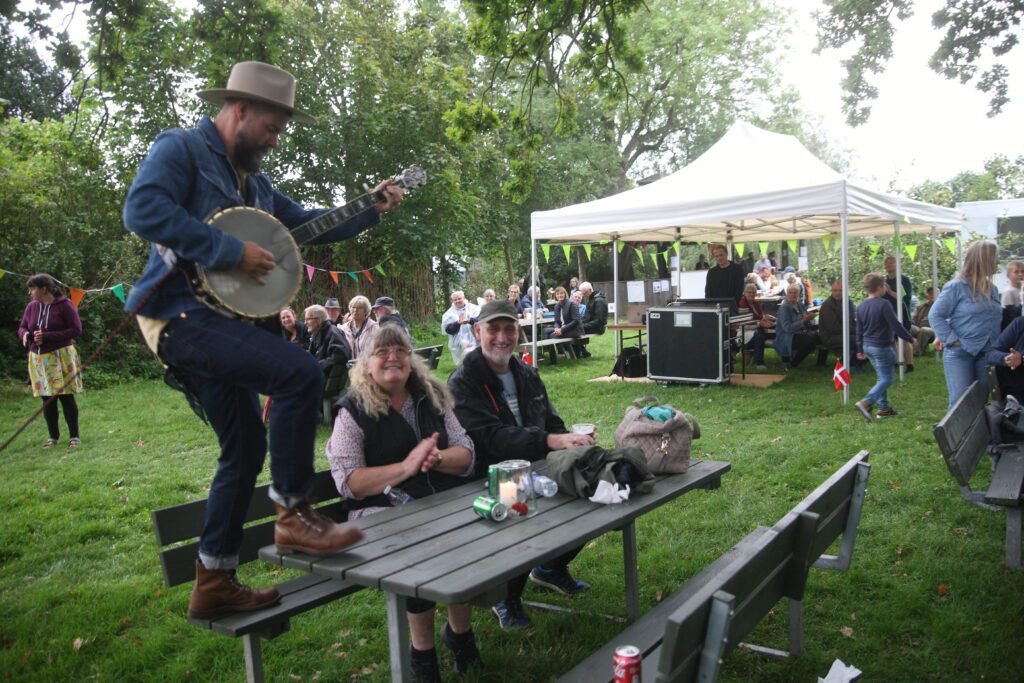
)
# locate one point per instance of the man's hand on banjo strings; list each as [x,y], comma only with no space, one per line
[256,261]
[392,196]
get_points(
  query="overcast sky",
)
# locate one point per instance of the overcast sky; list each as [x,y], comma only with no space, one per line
[922,127]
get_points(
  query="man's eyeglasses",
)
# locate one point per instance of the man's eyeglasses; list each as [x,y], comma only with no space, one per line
[398,351]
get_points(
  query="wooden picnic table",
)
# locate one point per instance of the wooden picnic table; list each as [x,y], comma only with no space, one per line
[621,330]
[437,548]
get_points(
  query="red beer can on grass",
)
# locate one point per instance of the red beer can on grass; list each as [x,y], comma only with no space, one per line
[627,662]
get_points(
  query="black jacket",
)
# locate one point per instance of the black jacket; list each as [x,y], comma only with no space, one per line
[596,317]
[724,283]
[567,318]
[301,335]
[329,346]
[482,410]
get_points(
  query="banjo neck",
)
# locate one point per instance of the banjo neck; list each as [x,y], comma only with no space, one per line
[326,222]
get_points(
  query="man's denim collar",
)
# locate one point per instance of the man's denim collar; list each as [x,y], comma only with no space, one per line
[212,135]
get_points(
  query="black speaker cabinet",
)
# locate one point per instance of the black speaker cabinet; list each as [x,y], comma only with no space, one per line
[689,344]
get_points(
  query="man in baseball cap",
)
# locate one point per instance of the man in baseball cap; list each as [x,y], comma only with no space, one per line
[505,408]
[187,176]
[384,311]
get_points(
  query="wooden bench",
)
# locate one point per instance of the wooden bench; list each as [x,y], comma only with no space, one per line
[568,343]
[963,436]
[686,636]
[432,354]
[177,530]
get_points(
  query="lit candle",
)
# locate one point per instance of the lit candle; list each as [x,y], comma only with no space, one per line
[508,492]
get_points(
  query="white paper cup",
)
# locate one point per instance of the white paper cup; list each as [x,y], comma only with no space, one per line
[583,428]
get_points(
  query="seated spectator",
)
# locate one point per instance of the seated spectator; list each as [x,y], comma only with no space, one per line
[794,337]
[488,295]
[384,311]
[808,291]
[396,428]
[359,328]
[513,296]
[567,321]
[574,286]
[766,283]
[920,328]
[763,262]
[765,323]
[326,342]
[830,326]
[333,310]
[789,278]
[1005,354]
[595,318]
[457,323]
[577,298]
[506,410]
[702,262]
[292,329]
[533,302]
[1010,300]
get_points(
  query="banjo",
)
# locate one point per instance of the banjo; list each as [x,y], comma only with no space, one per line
[232,292]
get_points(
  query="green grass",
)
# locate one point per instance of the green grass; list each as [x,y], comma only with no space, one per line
[925,599]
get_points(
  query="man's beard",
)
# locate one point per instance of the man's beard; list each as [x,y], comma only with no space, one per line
[248,154]
[496,358]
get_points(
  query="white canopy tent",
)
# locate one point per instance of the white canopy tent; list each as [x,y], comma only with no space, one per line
[752,185]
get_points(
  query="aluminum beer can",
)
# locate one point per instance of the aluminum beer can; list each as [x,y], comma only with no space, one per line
[490,508]
[627,662]
[492,481]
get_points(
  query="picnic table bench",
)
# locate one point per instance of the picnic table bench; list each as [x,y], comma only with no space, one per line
[184,523]
[432,354]
[963,436]
[568,343]
[686,636]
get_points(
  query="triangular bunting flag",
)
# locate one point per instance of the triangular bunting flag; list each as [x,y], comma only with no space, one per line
[739,248]
[2,273]
[586,250]
[826,241]
[334,275]
[621,244]
[794,245]
[840,376]
[546,248]
[566,248]
[906,219]
[118,291]
[367,275]
[874,249]
[76,296]
[896,241]
[309,272]
[950,243]
[380,269]
[677,247]
[763,246]
[654,260]
[353,276]
[911,250]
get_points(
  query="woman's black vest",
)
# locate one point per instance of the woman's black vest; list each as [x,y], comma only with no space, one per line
[389,439]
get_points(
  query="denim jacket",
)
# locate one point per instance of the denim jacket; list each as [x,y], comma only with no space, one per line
[957,317]
[185,179]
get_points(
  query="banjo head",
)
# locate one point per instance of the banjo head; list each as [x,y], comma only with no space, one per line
[236,291]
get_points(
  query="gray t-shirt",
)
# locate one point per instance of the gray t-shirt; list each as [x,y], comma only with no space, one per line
[508,385]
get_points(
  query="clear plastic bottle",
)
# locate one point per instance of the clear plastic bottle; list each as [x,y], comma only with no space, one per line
[543,486]
[397,496]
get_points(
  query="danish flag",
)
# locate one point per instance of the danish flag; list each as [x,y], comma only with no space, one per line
[840,376]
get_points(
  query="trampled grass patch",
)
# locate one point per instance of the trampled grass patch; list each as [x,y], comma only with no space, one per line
[925,599]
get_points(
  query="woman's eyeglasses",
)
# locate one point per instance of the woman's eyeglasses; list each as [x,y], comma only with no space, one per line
[398,351]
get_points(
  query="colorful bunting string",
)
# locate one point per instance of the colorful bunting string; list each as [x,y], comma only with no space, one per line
[739,248]
[874,249]
[794,245]
[911,250]
[566,248]
[826,241]
[763,246]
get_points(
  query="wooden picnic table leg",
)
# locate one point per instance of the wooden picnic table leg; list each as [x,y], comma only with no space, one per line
[632,571]
[398,638]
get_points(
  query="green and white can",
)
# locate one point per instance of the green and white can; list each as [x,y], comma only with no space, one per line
[490,508]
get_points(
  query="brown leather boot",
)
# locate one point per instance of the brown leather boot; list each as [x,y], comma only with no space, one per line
[217,592]
[303,529]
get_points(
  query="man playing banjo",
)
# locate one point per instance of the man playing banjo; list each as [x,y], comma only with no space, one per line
[224,362]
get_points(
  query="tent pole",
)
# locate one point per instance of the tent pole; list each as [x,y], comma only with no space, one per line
[534,277]
[900,355]
[615,275]
[844,246]
[935,275]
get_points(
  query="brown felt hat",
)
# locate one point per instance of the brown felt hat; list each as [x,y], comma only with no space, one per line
[259,82]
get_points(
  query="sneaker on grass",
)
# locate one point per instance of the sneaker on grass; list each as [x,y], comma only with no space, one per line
[511,615]
[558,579]
[886,412]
